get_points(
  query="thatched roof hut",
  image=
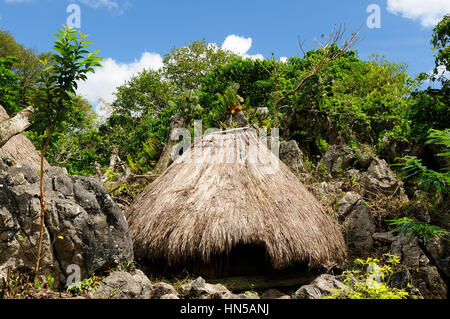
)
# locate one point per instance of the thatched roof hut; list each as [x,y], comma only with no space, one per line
[198,210]
[20,149]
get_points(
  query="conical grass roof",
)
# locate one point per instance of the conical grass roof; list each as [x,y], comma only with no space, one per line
[200,208]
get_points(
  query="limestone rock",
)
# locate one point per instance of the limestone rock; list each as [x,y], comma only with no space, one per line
[409,252]
[348,203]
[123,285]
[336,159]
[161,288]
[322,286]
[83,226]
[199,287]
[292,156]
[379,177]
[357,220]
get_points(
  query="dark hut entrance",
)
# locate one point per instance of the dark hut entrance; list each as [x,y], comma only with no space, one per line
[246,266]
[249,265]
[243,260]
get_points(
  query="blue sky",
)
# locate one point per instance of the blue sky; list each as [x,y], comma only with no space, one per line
[135,34]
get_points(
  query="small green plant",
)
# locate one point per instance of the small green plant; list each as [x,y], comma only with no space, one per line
[37,285]
[111,176]
[406,226]
[323,146]
[125,266]
[50,281]
[87,285]
[370,280]
[251,291]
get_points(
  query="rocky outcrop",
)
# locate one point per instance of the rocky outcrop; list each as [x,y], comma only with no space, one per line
[337,158]
[364,157]
[380,178]
[83,226]
[161,289]
[123,285]
[326,192]
[292,156]
[431,282]
[439,251]
[199,287]
[322,286]
[358,221]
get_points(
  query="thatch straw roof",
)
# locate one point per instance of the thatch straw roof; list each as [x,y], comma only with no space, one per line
[20,149]
[198,210]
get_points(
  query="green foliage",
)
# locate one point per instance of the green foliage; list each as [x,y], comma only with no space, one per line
[323,146]
[251,291]
[435,182]
[125,266]
[230,98]
[406,226]
[144,94]
[27,66]
[186,66]
[441,42]
[87,285]
[430,180]
[145,159]
[438,137]
[370,280]
[50,280]
[71,62]
[255,86]
[366,99]
[111,176]
[427,110]
[9,86]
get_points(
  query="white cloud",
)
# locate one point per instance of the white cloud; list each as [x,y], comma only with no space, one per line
[103,83]
[429,12]
[237,44]
[283,59]
[240,46]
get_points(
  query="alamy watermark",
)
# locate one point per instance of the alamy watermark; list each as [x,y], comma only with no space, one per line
[74,278]
[374,19]
[74,18]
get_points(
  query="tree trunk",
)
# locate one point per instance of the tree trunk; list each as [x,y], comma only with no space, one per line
[15,125]
[166,157]
[43,205]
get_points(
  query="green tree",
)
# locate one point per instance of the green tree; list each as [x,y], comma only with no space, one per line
[27,65]
[9,86]
[54,107]
[186,66]
[145,93]
[440,41]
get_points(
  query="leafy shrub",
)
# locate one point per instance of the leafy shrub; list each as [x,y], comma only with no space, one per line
[406,226]
[430,180]
[87,285]
[9,86]
[370,280]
